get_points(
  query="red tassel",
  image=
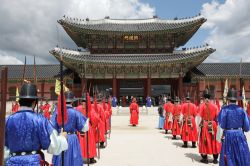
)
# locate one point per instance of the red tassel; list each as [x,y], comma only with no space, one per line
[59,110]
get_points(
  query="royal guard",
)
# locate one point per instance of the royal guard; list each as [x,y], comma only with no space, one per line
[76,122]
[24,142]
[168,107]
[176,127]
[233,122]
[100,135]
[46,109]
[15,107]
[134,112]
[189,129]
[108,112]
[91,137]
[207,120]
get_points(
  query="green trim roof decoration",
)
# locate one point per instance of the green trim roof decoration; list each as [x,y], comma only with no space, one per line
[182,29]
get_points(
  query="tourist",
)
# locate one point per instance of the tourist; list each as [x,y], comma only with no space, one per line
[134,112]
[76,123]
[26,133]
[176,127]
[234,122]
[161,117]
[189,129]
[114,101]
[207,120]
[168,107]
[148,101]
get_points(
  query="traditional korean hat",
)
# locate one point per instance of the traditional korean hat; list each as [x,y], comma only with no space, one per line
[232,94]
[177,99]
[28,91]
[83,98]
[70,97]
[206,94]
[169,98]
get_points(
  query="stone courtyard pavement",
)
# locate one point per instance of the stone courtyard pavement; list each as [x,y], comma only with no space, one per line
[145,145]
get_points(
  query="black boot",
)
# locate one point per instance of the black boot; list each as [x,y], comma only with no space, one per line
[92,161]
[174,137]
[102,145]
[193,144]
[215,161]
[204,159]
[185,145]
[166,131]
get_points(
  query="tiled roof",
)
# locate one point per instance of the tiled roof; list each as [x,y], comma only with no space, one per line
[177,56]
[132,25]
[222,69]
[42,71]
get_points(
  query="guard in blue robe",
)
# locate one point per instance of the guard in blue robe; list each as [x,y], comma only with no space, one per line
[234,122]
[149,102]
[26,133]
[114,101]
[77,122]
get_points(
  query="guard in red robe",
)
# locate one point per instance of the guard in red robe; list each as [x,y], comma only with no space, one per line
[176,127]
[189,129]
[91,137]
[134,112]
[46,110]
[15,107]
[108,113]
[208,129]
[168,107]
[100,132]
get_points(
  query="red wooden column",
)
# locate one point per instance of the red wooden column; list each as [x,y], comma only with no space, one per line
[42,88]
[114,87]
[198,90]
[180,84]
[4,79]
[148,86]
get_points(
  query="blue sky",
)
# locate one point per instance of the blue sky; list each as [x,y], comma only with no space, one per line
[169,9]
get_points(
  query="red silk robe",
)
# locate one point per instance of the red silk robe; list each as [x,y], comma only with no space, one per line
[189,129]
[45,109]
[176,127]
[101,124]
[207,138]
[168,107]
[134,113]
[91,136]
[108,112]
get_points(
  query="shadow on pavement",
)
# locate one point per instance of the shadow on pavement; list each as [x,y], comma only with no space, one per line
[169,136]
[178,144]
[194,157]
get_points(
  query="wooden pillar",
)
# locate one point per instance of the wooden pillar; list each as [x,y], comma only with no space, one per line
[4,79]
[198,91]
[114,87]
[84,84]
[180,84]
[148,86]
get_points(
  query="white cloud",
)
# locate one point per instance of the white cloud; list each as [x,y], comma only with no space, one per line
[28,27]
[229,25]
[7,59]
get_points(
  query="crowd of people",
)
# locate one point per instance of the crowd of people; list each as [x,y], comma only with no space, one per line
[79,134]
[213,129]
[83,129]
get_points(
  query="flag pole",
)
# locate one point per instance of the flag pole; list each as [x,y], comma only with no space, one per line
[62,98]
